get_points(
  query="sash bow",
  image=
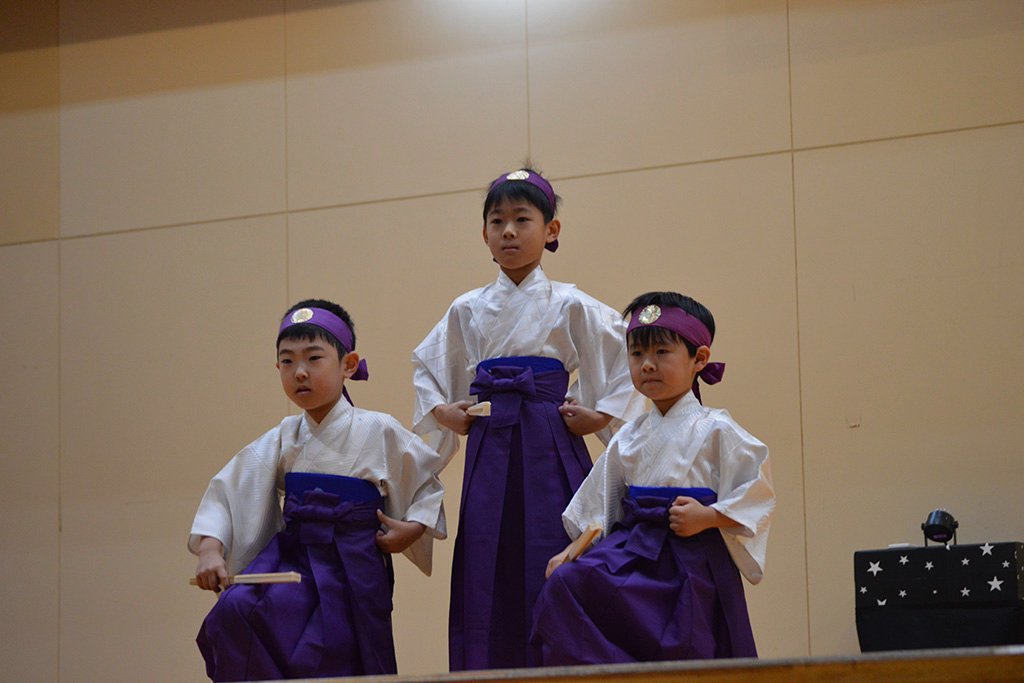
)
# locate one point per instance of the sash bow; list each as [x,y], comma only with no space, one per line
[319,522]
[505,388]
[651,515]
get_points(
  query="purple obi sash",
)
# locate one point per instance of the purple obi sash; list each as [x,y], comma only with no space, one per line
[645,512]
[702,495]
[507,382]
[327,506]
[346,488]
[515,386]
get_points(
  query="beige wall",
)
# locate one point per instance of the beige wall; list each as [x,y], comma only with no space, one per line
[839,181]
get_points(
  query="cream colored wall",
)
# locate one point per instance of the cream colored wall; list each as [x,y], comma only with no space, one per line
[839,181]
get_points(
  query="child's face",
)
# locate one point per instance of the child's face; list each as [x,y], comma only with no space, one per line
[664,372]
[516,233]
[312,375]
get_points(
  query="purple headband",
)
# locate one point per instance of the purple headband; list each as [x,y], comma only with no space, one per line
[537,181]
[686,326]
[331,323]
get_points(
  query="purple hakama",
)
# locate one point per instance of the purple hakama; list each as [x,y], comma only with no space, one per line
[522,467]
[337,621]
[645,594]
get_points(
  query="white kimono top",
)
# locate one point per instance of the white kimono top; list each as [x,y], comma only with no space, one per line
[242,505]
[690,446]
[537,318]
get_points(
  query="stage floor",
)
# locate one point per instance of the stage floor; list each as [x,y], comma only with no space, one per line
[974,665]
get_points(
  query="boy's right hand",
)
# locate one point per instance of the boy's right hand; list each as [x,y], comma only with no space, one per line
[454,416]
[557,561]
[212,570]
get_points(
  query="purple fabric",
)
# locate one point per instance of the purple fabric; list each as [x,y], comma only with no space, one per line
[522,467]
[336,622]
[672,318]
[645,594]
[686,326]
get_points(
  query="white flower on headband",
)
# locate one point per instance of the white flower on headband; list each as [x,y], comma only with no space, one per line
[302,315]
[649,315]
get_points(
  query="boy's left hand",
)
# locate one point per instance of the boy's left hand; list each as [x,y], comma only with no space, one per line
[582,420]
[397,535]
[688,517]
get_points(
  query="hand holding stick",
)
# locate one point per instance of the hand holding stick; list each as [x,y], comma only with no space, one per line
[272,577]
[574,549]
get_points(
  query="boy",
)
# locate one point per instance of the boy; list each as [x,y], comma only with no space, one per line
[516,343]
[685,496]
[345,472]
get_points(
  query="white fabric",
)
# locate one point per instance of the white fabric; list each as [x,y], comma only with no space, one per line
[690,446]
[537,318]
[242,505]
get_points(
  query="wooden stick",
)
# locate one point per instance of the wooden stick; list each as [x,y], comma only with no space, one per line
[272,577]
[584,541]
[482,409]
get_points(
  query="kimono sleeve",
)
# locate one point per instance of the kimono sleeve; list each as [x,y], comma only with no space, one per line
[414,492]
[597,501]
[439,377]
[745,495]
[603,381]
[241,507]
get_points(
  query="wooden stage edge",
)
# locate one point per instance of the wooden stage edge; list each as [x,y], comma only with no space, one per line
[974,665]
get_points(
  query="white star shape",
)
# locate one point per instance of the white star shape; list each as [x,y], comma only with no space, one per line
[1006,564]
[874,568]
[965,562]
[986,549]
[996,584]
[965,592]
[903,594]
[904,559]
[881,603]
[929,566]
[863,590]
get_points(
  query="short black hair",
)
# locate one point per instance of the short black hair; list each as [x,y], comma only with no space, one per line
[519,190]
[310,332]
[650,335]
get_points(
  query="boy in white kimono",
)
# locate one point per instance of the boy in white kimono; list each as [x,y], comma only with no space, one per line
[515,343]
[357,487]
[685,496]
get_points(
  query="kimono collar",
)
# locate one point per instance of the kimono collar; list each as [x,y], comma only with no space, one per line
[686,403]
[341,409]
[536,277]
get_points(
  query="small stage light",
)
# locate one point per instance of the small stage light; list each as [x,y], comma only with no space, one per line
[939,527]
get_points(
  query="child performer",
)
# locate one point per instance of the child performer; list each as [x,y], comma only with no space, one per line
[345,473]
[514,343]
[686,494]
